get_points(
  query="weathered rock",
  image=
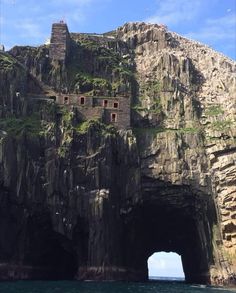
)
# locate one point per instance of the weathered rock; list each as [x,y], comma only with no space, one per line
[195,142]
[95,204]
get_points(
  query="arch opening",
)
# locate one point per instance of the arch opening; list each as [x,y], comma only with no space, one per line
[172,222]
[165,266]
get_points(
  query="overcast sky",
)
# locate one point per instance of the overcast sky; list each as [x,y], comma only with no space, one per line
[28,22]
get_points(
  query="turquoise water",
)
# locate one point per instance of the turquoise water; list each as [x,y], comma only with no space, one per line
[105,287]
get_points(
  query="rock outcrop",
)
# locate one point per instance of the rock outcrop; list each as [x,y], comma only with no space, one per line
[191,98]
[87,201]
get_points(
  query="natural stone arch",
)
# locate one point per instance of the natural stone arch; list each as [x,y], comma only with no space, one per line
[170,218]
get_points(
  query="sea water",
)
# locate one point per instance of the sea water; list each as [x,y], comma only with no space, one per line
[106,287]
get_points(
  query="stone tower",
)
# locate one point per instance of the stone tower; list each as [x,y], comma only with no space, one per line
[60,42]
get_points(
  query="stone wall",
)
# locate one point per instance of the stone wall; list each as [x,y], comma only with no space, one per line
[88,202]
[122,112]
[111,110]
[75,100]
[60,42]
[90,113]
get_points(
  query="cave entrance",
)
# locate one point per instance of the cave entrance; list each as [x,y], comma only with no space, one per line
[165,266]
[50,254]
[170,219]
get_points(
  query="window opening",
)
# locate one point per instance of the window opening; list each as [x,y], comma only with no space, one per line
[113,117]
[82,100]
[66,100]
[116,105]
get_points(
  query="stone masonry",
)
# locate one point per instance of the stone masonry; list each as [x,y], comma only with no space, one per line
[111,110]
[60,42]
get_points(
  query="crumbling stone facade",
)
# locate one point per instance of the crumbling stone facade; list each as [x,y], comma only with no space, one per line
[60,42]
[111,110]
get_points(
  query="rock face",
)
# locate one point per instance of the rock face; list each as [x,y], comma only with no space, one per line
[196,101]
[86,201]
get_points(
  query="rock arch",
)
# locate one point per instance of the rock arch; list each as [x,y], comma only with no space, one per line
[171,218]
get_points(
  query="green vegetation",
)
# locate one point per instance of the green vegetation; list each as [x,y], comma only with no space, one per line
[70,127]
[67,130]
[102,128]
[86,83]
[115,86]
[214,111]
[67,117]
[222,125]
[83,127]
[111,34]
[50,108]
[7,62]
[88,43]
[139,108]
[139,131]
[96,67]
[16,126]
[188,130]
[151,91]
[48,128]
[151,88]
[108,56]
[154,86]
[155,108]
[124,71]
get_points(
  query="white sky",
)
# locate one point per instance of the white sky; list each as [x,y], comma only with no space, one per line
[164,264]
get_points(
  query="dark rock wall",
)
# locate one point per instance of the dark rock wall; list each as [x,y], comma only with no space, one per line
[95,203]
[58,214]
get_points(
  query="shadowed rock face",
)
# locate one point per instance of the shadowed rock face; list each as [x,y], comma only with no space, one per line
[95,203]
[171,218]
[89,215]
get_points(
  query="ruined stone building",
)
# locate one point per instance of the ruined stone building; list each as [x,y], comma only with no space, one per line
[81,203]
[111,110]
[60,42]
